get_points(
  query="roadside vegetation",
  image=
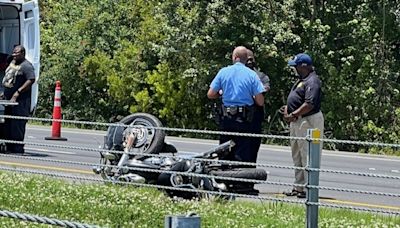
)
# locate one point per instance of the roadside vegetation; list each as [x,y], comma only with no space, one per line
[127,206]
[160,57]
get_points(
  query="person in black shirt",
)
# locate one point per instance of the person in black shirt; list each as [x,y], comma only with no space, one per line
[17,82]
[259,110]
[303,112]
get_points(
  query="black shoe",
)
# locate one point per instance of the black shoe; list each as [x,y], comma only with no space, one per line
[292,192]
[3,148]
[301,195]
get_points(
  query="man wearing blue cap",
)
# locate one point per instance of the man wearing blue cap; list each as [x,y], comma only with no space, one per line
[303,112]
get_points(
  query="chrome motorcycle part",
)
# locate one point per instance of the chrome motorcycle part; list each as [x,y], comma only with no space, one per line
[133,178]
[149,139]
[122,161]
[220,186]
[168,162]
[109,156]
[176,180]
[96,169]
[142,164]
[130,140]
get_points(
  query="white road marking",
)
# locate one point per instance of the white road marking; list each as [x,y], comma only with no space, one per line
[395,171]
[50,151]
[72,131]
[287,150]
[361,157]
[340,154]
[373,169]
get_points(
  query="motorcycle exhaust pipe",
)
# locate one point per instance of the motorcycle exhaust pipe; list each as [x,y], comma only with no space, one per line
[131,177]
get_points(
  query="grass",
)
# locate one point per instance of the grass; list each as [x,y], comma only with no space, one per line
[127,206]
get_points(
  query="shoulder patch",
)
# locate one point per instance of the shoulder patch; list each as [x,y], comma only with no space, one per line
[300,85]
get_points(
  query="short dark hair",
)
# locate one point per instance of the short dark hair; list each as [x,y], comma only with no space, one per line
[21,48]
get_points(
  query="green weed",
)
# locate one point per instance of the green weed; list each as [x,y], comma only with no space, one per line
[127,206]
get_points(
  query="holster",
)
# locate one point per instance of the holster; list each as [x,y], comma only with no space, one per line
[217,112]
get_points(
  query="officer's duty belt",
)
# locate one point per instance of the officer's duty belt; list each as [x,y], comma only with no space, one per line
[245,112]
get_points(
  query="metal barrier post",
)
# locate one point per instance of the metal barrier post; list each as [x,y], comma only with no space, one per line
[191,220]
[314,158]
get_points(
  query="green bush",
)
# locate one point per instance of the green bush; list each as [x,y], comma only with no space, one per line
[160,57]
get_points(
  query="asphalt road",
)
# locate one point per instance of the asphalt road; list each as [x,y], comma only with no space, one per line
[268,154]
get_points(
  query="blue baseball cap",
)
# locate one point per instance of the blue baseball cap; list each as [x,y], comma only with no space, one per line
[300,59]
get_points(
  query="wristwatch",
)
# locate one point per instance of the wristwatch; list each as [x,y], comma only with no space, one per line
[19,91]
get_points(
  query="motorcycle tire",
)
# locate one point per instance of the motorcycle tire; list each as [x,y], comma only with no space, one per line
[156,142]
[245,173]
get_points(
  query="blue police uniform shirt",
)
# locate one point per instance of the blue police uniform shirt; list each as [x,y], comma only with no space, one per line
[239,85]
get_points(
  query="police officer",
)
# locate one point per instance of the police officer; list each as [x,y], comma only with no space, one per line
[252,64]
[241,91]
[17,83]
[259,110]
[303,111]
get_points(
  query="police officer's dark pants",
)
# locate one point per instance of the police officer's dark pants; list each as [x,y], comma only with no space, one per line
[15,129]
[257,128]
[242,150]
[2,129]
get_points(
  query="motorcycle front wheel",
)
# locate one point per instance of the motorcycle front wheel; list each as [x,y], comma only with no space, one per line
[150,140]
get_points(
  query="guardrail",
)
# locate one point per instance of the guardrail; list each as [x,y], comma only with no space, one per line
[313,169]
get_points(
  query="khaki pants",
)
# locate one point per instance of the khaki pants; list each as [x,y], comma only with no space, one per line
[300,147]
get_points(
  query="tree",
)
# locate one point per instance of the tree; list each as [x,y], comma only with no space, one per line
[160,57]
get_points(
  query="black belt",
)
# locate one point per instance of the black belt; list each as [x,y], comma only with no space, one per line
[233,110]
[244,112]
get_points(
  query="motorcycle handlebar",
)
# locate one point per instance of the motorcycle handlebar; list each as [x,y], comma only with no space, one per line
[219,148]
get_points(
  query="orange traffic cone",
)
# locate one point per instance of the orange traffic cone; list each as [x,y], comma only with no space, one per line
[56,125]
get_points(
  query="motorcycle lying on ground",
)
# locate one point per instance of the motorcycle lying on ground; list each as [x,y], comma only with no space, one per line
[142,137]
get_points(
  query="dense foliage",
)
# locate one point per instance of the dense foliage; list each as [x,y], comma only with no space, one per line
[117,57]
[126,206]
